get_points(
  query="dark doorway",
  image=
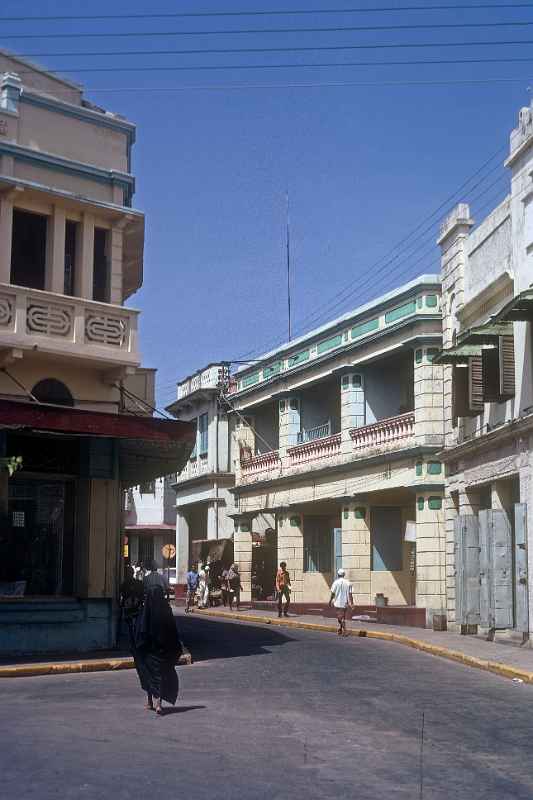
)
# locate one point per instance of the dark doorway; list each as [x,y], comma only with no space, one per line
[28,251]
[53,391]
[71,235]
[101,269]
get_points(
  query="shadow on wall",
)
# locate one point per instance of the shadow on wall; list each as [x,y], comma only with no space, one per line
[207,640]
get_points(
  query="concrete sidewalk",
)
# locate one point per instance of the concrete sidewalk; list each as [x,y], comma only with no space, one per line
[507,659]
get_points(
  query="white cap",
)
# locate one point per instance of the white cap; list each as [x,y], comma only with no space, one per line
[341,573]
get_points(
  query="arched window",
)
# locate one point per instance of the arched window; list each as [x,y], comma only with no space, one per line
[53,391]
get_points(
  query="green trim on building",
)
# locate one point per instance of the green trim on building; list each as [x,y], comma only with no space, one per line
[245,528]
[418,470]
[400,311]
[298,358]
[434,468]
[360,513]
[329,344]
[249,380]
[365,327]
[295,522]
[432,301]
[418,356]
[271,370]
[419,301]
[346,513]
[420,503]
[435,503]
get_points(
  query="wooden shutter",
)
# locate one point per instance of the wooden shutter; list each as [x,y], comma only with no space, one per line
[475,385]
[459,393]
[507,368]
[491,375]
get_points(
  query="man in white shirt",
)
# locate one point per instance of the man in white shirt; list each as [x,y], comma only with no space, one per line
[342,598]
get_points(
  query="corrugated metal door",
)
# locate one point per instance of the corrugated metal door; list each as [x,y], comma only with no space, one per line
[496,569]
[337,548]
[467,569]
[521,585]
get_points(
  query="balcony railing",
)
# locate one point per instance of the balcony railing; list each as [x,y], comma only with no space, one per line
[70,326]
[318,432]
[315,450]
[210,378]
[390,433]
[193,469]
[263,465]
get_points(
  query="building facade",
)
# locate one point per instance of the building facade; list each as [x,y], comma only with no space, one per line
[71,253]
[335,439]
[487,275]
[150,521]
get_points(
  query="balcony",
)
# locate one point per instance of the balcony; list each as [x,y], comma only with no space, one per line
[31,319]
[194,469]
[318,432]
[393,433]
[210,378]
[314,451]
[260,467]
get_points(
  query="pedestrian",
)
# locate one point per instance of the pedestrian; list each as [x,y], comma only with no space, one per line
[235,588]
[224,588]
[156,649]
[203,589]
[155,578]
[192,586]
[131,600]
[283,588]
[342,598]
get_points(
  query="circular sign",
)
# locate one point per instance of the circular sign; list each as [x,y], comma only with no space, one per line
[168,551]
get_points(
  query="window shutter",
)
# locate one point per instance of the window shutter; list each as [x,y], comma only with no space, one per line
[507,373]
[475,385]
[460,393]
[491,375]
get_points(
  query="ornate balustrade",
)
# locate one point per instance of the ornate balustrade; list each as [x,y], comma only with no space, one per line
[260,467]
[318,432]
[31,318]
[390,433]
[315,450]
[193,469]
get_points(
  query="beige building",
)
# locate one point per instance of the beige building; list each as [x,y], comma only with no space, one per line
[335,442]
[487,275]
[71,254]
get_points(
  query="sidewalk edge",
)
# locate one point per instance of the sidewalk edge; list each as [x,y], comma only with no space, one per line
[502,669]
[66,667]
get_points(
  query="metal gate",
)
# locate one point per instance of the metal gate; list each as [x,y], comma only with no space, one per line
[491,569]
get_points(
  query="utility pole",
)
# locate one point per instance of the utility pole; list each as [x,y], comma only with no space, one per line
[288,268]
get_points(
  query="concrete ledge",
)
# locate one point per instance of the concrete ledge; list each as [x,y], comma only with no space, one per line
[67,667]
[504,670]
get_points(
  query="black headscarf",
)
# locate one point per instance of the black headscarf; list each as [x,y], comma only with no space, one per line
[156,629]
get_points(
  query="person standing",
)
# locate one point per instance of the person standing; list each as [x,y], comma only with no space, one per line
[131,600]
[192,586]
[154,578]
[234,584]
[342,599]
[203,588]
[224,587]
[283,588]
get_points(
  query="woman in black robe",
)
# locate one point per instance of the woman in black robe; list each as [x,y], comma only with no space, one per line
[157,649]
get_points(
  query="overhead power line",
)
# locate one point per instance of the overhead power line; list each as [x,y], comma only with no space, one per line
[311,48]
[252,31]
[270,13]
[288,65]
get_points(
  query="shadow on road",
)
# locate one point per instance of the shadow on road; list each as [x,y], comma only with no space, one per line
[207,640]
[167,710]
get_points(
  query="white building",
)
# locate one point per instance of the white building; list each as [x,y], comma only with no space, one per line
[150,521]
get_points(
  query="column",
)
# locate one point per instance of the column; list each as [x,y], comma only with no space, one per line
[182,547]
[212,521]
[352,406]
[84,269]
[355,521]
[429,406]
[10,89]
[289,421]
[55,256]
[6,235]
[430,553]
[242,554]
[291,550]
[116,235]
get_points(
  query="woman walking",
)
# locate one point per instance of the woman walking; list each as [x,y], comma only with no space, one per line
[157,649]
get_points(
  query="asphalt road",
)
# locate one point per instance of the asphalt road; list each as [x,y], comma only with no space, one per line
[275,714]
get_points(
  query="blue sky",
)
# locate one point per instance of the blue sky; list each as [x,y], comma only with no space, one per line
[364,165]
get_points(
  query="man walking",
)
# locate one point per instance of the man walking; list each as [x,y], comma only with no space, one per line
[283,588]
[192,586]
[342,598]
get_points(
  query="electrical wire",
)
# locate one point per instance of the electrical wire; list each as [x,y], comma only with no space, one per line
[259,13]
[252,31]
[233,50]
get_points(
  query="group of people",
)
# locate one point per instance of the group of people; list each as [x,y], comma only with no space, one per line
[204,582]
[153,634]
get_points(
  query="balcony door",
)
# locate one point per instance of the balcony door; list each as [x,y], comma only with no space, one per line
[28,249]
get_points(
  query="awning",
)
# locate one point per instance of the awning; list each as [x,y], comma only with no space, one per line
[519,309]
[452,355]
[147,448]
[485,334]
[209,550]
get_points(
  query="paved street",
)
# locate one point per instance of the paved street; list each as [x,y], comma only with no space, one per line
[272,713]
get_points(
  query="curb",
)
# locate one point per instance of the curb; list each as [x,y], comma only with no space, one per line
[66,667]
[504,670]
